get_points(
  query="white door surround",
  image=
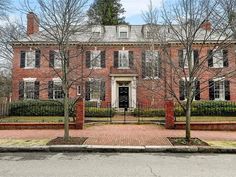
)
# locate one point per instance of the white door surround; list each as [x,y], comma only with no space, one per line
[123,81]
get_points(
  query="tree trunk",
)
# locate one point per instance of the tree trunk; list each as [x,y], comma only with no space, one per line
[188,120]
[66,117]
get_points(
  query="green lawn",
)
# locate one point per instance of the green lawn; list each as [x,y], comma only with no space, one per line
[24,119]
[208,119]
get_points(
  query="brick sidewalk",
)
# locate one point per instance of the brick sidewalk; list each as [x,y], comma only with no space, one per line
[120,134]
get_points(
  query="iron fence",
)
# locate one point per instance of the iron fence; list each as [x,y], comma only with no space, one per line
[4,110]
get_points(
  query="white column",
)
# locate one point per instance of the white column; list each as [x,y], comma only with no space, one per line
[133,92]
[113,92]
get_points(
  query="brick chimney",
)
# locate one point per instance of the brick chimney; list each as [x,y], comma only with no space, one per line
[32,23]
[206,25]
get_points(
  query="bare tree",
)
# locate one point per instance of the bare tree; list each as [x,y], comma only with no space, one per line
[62,24]
[4,8]
[192,50]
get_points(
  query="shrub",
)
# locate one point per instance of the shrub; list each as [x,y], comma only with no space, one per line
[149,112]
[99,112]
[38,108]
[209,108]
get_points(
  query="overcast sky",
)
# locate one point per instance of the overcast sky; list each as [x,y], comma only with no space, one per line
[133,9]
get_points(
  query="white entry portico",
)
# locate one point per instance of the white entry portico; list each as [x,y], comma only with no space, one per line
[128,82]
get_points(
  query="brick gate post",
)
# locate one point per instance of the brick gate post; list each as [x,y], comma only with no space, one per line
[80,114]
[169,114]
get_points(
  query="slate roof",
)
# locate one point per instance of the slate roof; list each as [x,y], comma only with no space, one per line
[136,35]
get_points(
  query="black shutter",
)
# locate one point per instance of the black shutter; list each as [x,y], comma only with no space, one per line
[211,90]
[68,58]
[227,90]
[116,55]
[196,57]
[22,59]
[143,64]
[37,58]
[51,58]
[131,59]
[88,59]
[225,58]
[181,58]
[159,67]
[197,90]
[103,59]
[103,91]
[50,89]
[36,90]
[210,58]
[87,90]
[21,90]
[181,89]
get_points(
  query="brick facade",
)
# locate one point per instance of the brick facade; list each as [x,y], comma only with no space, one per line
[147,91]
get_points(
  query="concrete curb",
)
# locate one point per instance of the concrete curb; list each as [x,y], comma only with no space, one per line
[119,149]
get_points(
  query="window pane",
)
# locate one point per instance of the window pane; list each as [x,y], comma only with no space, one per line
[123,59]
[219,90]
[95,90]
[57,90]
[29,90]
[57,60]
[218,59]
[152,63]
[30,59]
[96,34]
[95,58]
[123,34]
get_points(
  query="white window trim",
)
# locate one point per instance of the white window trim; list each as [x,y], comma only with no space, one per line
[91,80]
[29,79]
[97,29]
[78,90]
[26,56]
[56,80]
[156,77]
[216,80]
[215,65]
[187,79]
[185,58]
[124,29]
[91,58]
[56,52]
[128,67]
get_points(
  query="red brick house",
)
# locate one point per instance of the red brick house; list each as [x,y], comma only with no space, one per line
[117,67]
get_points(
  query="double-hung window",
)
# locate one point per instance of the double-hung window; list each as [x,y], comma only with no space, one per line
[218,58]
[29,91]
[152,64]
[219,89]
[57,59]
[30,59]
[95,59]
[57,90]
[123,60]
[123,32]
[95,89]
[29,88]
[183,89]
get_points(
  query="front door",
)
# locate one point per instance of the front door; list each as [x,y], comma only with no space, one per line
[123,97]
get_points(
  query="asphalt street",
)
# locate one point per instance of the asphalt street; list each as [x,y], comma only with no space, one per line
[116,165]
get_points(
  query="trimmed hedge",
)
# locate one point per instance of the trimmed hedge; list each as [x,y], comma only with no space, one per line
[210,108]
[149,112]
[99,112]
[54,108]
[37,108]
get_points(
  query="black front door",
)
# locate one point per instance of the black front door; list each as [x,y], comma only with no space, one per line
[123,97]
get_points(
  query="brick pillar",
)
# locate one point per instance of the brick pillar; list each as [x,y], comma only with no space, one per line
[80,114]
[169,114]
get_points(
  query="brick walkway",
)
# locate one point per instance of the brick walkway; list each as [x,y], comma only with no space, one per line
[120,134]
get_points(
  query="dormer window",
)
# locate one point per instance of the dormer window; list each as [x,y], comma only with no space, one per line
[123,32]
[96,31]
